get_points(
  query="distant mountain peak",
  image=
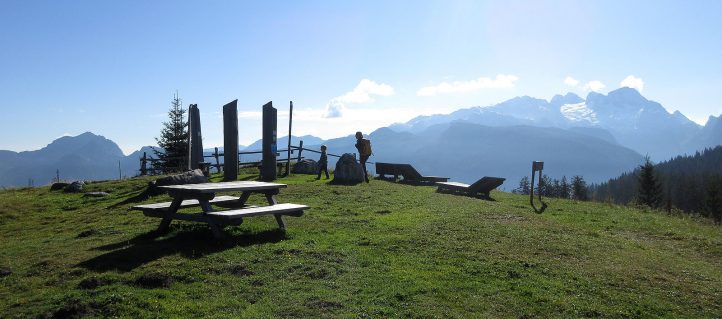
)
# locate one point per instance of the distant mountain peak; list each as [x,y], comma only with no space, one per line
[569,98]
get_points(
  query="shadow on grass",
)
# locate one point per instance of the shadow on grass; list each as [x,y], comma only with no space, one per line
[130,254]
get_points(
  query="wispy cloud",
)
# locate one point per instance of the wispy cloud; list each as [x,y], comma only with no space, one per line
[362,93]
[570,81]
[334,109]
[595,86]
[501,81]
[632,82]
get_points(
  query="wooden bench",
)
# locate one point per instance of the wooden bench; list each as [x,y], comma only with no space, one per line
[408,172]
[481,187]
[223,201]
[383,169]
[288,209]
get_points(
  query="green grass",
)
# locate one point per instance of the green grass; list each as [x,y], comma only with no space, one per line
[372,250]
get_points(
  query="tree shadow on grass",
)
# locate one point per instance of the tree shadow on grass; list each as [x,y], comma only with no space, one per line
[198,242]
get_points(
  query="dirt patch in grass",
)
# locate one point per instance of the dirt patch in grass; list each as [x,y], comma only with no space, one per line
[88,233]
[154,280]
[316,303]
[92,283]
[233,269]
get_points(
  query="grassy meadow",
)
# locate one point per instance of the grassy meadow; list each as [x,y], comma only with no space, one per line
[373,250]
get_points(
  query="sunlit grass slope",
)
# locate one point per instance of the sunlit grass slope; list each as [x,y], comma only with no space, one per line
[371,250]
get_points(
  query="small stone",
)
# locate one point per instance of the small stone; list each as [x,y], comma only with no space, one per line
[4,272]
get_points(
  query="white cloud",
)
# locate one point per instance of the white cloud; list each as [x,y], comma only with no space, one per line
[633,82]
[595,86]
[249,115]
[363,91]
[502,81]
[334,109]
[570,81]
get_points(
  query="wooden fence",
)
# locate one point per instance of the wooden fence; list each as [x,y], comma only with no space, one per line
[148,165]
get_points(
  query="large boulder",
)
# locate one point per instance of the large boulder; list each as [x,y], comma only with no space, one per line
[348,171]
[74,187]
[190,177]
[306,166]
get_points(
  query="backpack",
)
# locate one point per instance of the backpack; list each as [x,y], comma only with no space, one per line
[365,147]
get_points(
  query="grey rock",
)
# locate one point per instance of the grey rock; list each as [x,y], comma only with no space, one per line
[58,186]
[190,177]
[74,187]
[306,166]
[348,171]
[4,272]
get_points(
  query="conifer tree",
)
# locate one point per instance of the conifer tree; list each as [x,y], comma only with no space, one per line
[579,188]
[713,201]
[524,186]
[564,189]
[649,191]
[173,139]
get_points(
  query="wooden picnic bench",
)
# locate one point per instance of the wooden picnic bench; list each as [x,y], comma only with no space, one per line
[481,187]
[204,195]
[408,172]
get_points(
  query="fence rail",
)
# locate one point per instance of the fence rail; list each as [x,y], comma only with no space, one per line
[148,164]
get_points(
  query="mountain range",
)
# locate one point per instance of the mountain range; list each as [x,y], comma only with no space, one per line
[623,114]
[598,137]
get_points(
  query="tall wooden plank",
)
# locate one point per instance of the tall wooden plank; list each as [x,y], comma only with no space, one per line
[230,141]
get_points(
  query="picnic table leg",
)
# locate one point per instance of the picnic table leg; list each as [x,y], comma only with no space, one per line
[244,198]
[168,218]
[216,229]
[271,198]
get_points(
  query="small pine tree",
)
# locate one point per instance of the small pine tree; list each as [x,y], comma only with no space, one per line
[564,188]
[547,187]
[713,202]
[173,139]
[524,186]
[649,191]
[579,188]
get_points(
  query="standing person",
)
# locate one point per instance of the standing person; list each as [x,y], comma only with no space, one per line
[323,162]
[364,149]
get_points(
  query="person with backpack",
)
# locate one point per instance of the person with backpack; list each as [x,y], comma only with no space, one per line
[364,149]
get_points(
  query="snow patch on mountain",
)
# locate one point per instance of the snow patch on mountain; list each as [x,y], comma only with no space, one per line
[579,112]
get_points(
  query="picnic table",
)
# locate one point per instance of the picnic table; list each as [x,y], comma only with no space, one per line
[204,195]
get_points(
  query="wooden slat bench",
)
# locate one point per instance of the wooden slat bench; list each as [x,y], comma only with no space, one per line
[409,173]
[295,210]
[224,201]
[481,187]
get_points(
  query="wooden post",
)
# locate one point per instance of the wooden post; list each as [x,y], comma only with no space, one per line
[143,165]
[195,140]
[290,121]
[268,163]
[300,148]
[218,163]
[230,141]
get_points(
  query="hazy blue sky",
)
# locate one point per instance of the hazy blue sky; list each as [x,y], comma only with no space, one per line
[112,67]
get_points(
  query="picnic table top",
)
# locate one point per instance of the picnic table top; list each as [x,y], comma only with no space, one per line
[223,187]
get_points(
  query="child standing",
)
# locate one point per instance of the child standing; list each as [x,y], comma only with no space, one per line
[323,162]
